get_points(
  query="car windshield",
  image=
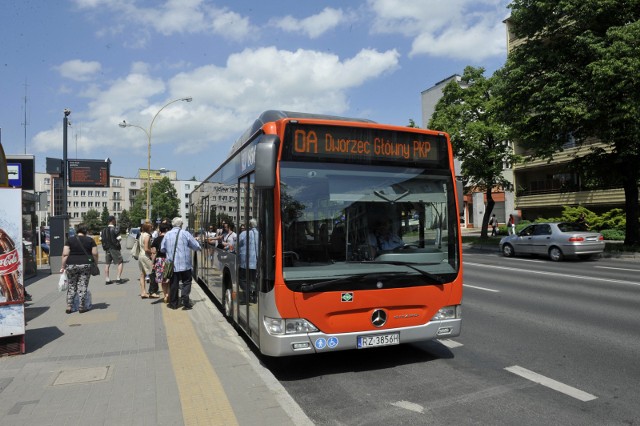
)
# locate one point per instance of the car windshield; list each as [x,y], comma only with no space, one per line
[344,221]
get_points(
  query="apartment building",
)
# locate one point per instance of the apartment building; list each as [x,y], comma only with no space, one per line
[117,197]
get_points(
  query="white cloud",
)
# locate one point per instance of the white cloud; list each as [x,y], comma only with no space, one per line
[225,99]
[173,16]
[313,26]
[458,29]
[79,70]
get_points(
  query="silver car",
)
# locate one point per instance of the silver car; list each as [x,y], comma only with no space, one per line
[555,239]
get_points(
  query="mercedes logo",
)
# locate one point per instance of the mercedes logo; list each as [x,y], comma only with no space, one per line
[379,318]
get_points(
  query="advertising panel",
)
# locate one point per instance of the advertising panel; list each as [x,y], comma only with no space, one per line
[11,261]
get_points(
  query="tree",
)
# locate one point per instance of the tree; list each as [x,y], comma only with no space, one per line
[575,76]
[164,199]
[467,111]
[104,217]
[137,212]
[124,222]
[92,221]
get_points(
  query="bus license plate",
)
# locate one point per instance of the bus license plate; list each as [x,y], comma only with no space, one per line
[378,340]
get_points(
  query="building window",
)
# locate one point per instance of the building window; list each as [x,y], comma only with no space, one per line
[187,186]
[90,194]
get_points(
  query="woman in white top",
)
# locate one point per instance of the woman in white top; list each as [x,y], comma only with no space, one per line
[144,260]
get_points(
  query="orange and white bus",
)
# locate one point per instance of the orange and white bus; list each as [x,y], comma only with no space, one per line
[347,234]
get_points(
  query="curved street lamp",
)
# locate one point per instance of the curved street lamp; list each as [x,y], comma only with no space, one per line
[124,124]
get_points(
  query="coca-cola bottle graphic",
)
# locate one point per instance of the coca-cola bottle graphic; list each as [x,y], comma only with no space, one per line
[10,285]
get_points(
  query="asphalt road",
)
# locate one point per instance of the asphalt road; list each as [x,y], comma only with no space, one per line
[542,343]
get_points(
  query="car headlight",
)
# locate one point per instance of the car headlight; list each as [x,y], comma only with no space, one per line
[280,326]
[447,313]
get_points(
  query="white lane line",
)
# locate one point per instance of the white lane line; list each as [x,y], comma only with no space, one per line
[450,343]
[481,288]
[409,406]
[618,269]
[552,384]
[582,277]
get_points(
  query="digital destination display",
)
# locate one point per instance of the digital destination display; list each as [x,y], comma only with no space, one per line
[92,173]
[364,145]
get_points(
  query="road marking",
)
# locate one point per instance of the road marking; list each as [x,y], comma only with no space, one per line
[582,277]
[618,269]
[409,406]
[481,288]
[552,384]
[203,399]
[450,343]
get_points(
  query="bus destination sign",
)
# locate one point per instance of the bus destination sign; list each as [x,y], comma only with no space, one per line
[91,173]
[365,144]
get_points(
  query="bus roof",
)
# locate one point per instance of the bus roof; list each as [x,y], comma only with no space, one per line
[275,115]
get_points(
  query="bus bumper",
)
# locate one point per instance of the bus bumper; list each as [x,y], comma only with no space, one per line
[302,344]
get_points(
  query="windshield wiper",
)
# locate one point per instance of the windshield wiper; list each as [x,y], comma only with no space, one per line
[309,287]
[410,265]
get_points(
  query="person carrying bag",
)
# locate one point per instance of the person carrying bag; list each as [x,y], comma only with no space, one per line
[167,272]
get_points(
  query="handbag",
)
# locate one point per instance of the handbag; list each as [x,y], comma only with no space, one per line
[135,250]
[167,271]
[94,268]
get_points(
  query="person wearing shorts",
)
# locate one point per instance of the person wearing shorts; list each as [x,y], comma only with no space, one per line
[112,249]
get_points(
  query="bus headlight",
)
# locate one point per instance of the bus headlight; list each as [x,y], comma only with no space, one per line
[279,326]
[447,313]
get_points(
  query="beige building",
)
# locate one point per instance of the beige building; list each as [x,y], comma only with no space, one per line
[117,197]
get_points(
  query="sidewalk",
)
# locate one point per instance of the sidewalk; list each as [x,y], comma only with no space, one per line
[133,361]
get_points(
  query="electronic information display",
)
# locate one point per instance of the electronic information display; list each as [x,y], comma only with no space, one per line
[88,173]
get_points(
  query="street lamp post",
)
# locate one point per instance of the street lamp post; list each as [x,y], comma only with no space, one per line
[148,133]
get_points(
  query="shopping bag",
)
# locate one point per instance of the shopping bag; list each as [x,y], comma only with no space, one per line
[135,250]
[63,283]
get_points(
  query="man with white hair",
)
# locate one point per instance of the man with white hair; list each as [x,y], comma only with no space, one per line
[180,242]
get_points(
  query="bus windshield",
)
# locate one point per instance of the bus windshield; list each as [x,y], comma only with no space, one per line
[348,227]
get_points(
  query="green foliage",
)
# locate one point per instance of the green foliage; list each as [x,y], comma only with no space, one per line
[612,220]
[612,234]
[575,78]
[164,200]
[467,112]
[93,221]
[124,221]
[104,217]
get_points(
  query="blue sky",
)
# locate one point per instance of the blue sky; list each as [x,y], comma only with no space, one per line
[114,60]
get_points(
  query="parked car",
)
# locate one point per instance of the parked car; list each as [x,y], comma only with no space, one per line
[554,239]
[134,233]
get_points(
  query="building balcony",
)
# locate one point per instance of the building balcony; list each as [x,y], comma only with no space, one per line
[558,198]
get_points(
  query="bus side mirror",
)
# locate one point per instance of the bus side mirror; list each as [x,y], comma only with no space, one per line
[266,159]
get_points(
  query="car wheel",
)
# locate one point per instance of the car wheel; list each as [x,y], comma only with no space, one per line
[228,303]
[507,250]
[555,254]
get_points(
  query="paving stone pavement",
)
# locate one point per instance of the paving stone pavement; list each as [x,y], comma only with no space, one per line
[133,361]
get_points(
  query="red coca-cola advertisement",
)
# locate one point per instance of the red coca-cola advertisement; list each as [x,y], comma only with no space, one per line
[11,278]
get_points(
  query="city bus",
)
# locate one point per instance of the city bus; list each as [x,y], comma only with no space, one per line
[347,234]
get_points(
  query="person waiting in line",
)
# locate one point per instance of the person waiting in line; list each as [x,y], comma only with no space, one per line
[144,260]
[112,251]
[158,258]
[180,242]
[78,267]
[383,239]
